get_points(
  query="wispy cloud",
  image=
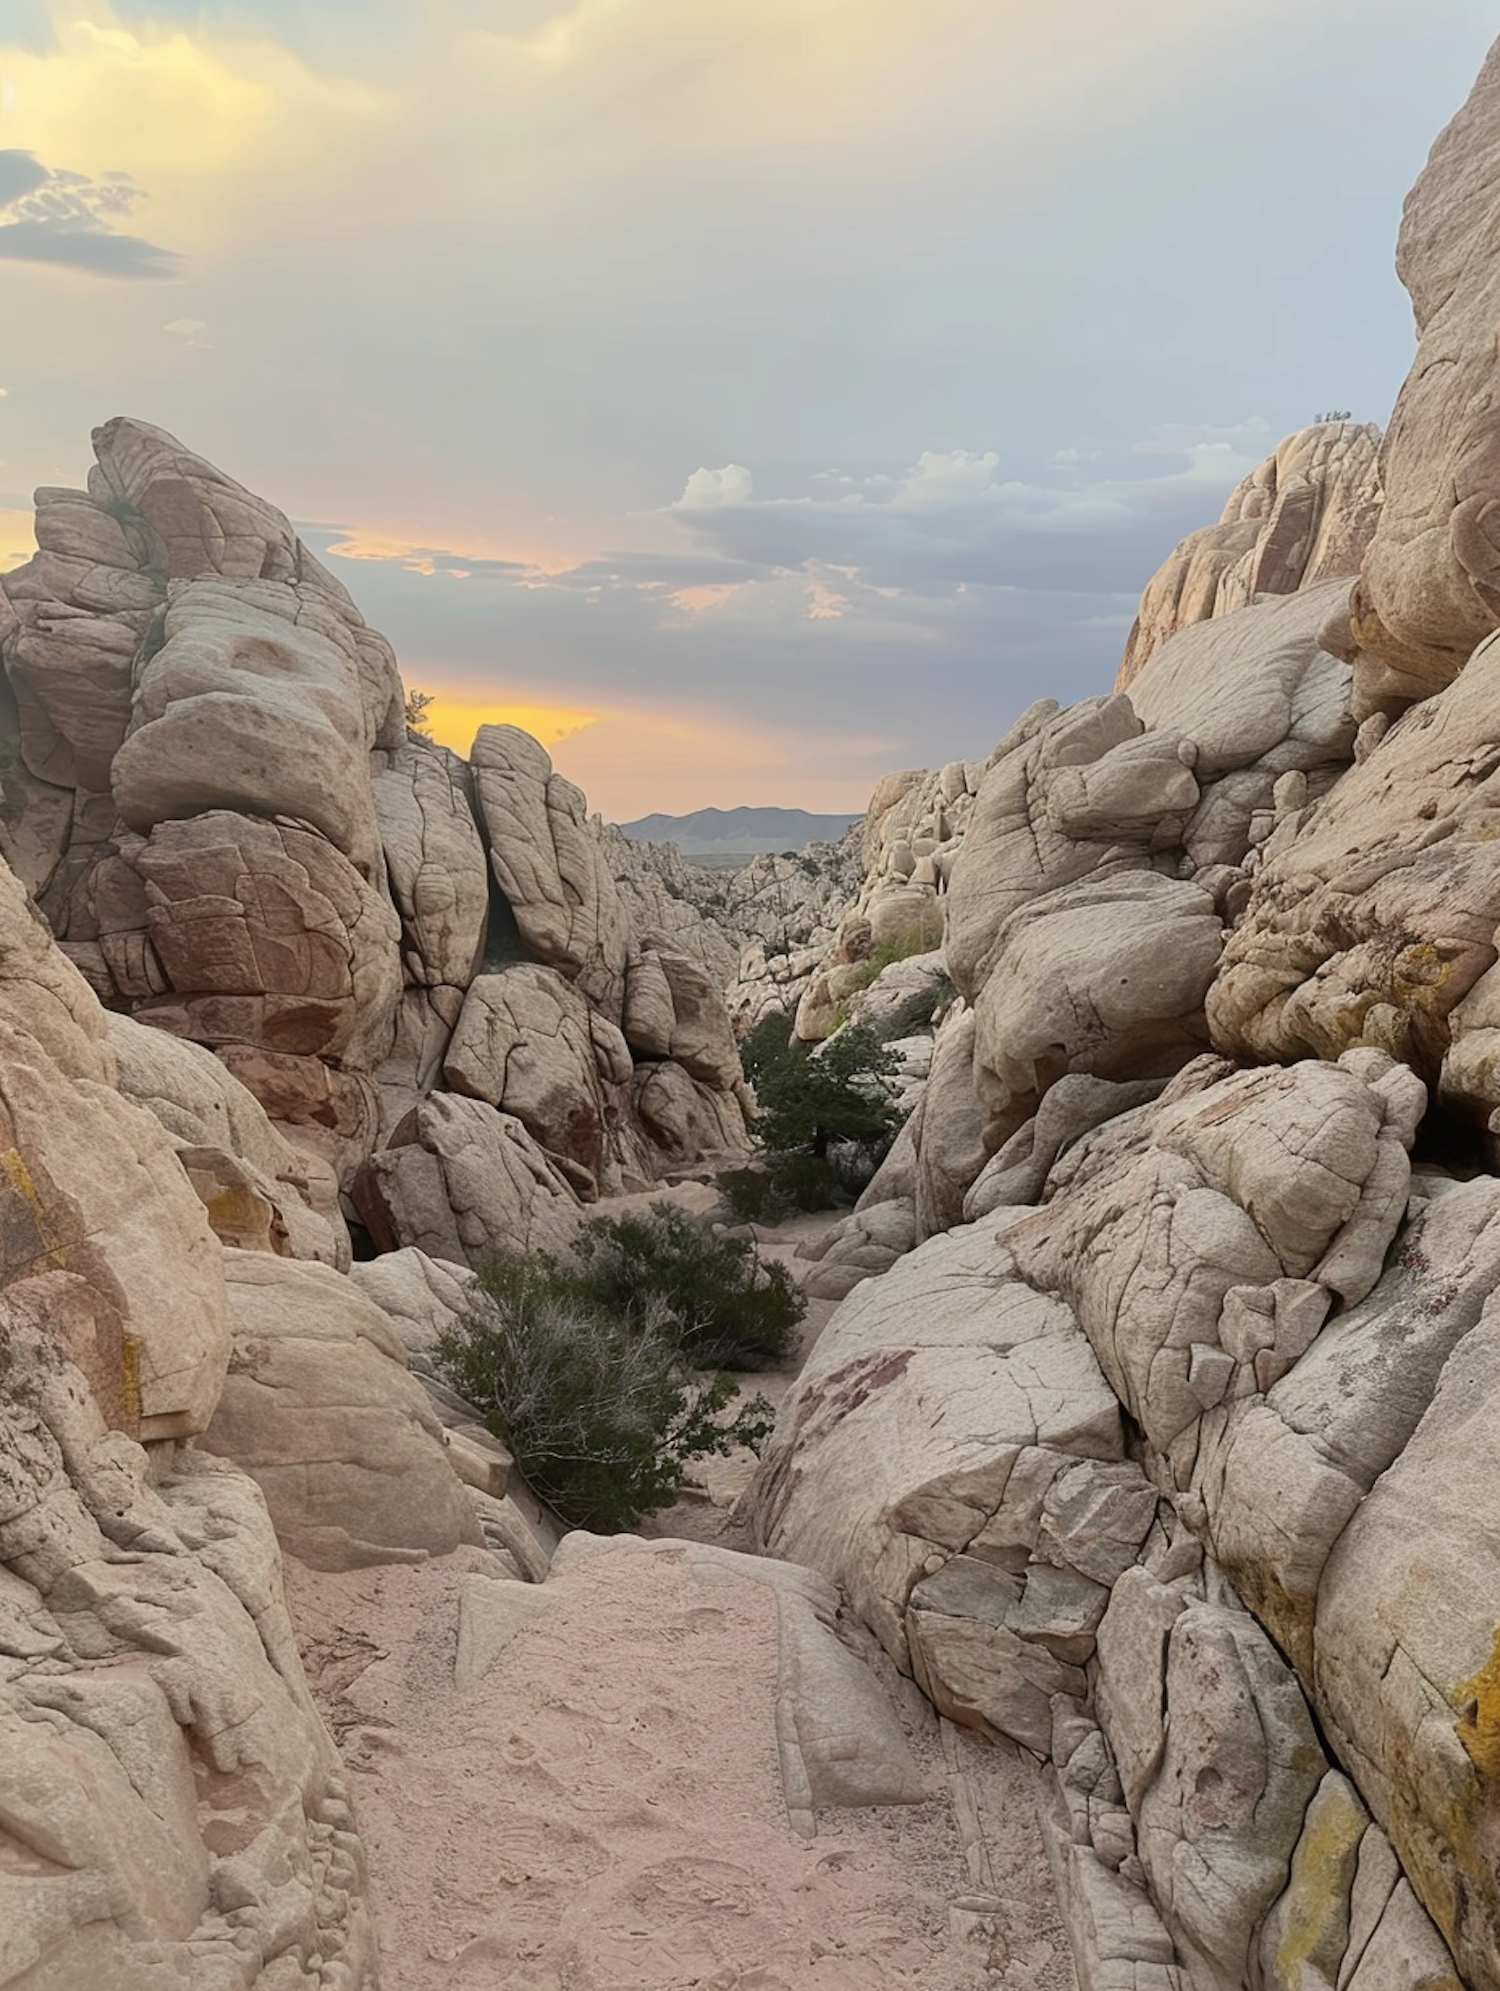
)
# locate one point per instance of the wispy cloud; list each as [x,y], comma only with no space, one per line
[50,215]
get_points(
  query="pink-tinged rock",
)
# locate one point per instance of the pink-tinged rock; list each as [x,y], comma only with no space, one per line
[228,929]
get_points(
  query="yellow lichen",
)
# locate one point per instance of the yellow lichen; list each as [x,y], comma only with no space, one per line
[13,1163]
[1478,1726]
[1314,1912]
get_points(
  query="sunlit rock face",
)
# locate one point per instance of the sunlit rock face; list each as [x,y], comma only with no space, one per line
[1307,514]
[1429,585]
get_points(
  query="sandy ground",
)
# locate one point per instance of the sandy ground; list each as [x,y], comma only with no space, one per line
[602,1810]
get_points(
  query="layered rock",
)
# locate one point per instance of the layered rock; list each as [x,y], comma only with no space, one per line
[1304,515]
[1372,920]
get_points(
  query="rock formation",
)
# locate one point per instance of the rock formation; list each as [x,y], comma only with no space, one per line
[1169,1454]
[1305,515]
[239,843]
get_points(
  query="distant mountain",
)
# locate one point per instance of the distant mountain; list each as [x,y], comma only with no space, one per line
[714,832]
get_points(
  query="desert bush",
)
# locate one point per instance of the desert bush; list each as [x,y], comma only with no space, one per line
[722,1306]
[600,1410]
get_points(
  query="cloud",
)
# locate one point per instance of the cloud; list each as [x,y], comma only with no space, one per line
[190,331]
[952,518]
[706,489]
[933,601]
[67,219]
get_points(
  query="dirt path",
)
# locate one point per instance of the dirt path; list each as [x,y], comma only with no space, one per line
[602,1810]
[595,1802]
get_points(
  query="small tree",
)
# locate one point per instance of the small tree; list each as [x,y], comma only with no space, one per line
[816,1099]
[810,1097]
[418,704]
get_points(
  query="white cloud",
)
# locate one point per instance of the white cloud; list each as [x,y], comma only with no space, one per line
[705,489]
[190,331]
[1253,435]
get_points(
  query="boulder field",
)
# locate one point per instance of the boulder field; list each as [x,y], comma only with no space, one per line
[1130,1539]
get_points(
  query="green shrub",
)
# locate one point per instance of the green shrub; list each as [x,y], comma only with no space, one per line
[836,1091]
[721,1305]
[813,1099]
[751,1195]
[599,1409]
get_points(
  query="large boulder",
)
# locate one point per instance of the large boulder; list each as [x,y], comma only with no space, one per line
[319,1409]
[550,865]
[1258,699]
[1372,920]
[462,1182]
[249,706]
[1429,588]
[913,1463]
[1106,977]
[71,621]
[435,863]
[1407,1656]
[175,1813]
[91,1188]
[527,1043]
[233,930]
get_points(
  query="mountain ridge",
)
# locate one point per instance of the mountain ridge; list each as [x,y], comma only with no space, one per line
[743,829]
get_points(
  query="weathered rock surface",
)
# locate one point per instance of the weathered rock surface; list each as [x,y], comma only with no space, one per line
[248,705]
[319,1409]
[435,863]
[1305,514]
[420,1296]
[461,1182]
[1407,1653]
[1373,920]
[1429,587]
[550,865]
[231,930]
[235,1158]
[238,841]
[1198,1243]
[93,1190]
[175,1814]
[527,1043]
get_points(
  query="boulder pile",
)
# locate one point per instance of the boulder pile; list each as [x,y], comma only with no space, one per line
[1158,1431]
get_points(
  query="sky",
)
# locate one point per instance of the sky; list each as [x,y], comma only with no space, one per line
[747,396]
